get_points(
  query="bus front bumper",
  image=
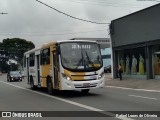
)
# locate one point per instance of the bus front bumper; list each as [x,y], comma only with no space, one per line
[78,85]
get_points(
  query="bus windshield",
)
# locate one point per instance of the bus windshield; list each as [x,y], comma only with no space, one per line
[81,56]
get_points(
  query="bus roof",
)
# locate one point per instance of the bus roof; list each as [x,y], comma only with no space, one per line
[30,51]
[45,45]
[61,41]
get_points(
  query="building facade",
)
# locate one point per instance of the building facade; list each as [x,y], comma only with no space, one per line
[136,44]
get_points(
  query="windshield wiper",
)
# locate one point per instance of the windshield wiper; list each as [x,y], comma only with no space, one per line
[98,59]
[88,58]
[80,61]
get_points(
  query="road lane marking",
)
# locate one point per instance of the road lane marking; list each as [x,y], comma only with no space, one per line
[143,97]
[133,89]
[70,102]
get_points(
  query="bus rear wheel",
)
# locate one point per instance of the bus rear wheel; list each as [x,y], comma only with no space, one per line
[50,87]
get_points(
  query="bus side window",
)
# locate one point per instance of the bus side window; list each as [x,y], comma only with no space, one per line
[31,59]
[41,61]
[45,56]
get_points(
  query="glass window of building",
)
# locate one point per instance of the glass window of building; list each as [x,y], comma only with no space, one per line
[133,61]
[156,62]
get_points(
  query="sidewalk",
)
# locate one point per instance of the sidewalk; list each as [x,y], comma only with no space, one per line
[151,84]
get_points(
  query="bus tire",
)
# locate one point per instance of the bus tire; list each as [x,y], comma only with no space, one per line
[85,91]
[33,87]
[49,86]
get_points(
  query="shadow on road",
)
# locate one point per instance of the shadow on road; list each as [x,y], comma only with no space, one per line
[66,93]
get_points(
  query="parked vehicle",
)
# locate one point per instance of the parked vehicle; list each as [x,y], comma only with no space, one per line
[14,76]
[107,69]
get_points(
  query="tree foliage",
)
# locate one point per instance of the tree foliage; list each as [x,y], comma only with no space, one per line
[14,49]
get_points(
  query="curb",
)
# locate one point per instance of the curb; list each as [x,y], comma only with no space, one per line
[133,89]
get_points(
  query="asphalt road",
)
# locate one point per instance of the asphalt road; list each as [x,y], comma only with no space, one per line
[17,96]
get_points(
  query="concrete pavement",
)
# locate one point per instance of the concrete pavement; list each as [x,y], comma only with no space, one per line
[151,84]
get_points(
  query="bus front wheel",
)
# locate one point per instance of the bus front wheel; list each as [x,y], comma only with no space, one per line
[85,91]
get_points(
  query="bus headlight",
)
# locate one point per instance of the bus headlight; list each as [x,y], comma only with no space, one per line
[66,76]
[101,75]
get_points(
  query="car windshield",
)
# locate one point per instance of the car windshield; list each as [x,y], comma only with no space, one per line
[81,56]
[14,73]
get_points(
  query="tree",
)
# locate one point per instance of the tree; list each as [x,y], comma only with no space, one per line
[14,48]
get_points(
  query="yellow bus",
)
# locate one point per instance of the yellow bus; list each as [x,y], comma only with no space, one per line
[65,65]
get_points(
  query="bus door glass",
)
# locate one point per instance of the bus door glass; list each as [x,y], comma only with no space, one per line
[55,69]
[28,70]
[38,68]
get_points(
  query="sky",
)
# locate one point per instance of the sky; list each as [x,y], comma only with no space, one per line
[33,21]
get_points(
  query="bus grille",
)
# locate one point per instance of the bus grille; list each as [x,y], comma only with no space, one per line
[82,86]
[85,80]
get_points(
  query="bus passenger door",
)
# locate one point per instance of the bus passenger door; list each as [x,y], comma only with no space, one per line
[28,70]
[38,69]
[55,69]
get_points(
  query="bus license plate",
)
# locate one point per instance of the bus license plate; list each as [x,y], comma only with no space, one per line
[86,84]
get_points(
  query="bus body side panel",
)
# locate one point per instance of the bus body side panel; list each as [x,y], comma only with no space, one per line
[32,72]
[46,69]
[45,72]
